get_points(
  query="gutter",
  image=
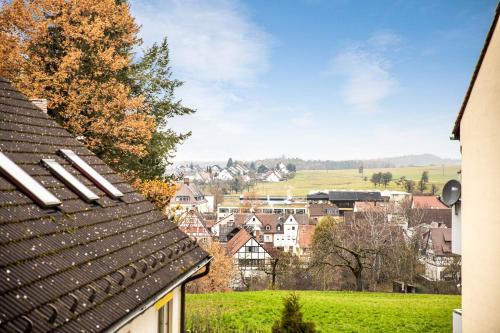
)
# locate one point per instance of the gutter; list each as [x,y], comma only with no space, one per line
[183,293]
[137,312]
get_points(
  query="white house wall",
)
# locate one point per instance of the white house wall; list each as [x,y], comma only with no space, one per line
[147,322]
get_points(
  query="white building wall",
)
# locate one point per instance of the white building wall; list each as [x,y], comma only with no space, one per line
[147,322]
[289,236]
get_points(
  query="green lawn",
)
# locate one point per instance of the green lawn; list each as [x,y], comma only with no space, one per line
[330,311]
[308,180]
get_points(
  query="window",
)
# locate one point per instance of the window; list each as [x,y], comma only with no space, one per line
[223,210]
[71,181]
[254,249]
[258,263]
[90,173]
[165,318]
[268,227]
[278,211]
[293,227]
[27,183]
[182,198]
[278,227]
[300,211]
[267,211]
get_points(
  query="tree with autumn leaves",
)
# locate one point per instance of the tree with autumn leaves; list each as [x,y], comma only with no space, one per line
[79,56]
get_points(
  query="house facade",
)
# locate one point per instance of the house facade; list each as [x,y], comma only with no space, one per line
[81,250]
[437,254]
[193,224]
[477,127]
[250,257]
[188,197]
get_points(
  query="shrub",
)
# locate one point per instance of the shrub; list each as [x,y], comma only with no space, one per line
[291,318]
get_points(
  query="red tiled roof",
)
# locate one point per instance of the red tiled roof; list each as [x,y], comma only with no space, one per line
[238,240]
[306,233]
[427,201]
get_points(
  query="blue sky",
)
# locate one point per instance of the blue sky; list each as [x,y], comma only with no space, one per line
[318,79]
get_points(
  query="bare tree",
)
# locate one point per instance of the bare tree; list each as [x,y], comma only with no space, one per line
[358,246]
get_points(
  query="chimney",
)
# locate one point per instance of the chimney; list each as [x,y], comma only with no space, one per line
[40,103]
[186,181]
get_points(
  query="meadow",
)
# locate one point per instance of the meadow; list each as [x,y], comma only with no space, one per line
[330,311]
[349,179]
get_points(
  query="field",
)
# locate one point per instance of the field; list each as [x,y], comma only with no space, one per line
[330,311]
[309,180]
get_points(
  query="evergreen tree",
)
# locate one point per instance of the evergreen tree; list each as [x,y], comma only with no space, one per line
[291,318]
[152,79]
[78,55]
[252,166]
[229,163]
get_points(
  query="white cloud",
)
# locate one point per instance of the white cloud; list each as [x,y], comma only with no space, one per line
[209,40]
[216,49]
[366,70]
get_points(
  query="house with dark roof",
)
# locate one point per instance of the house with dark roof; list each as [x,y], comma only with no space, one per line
[187,197]
[319,210]
[80,249]
[437,254]
[345,200]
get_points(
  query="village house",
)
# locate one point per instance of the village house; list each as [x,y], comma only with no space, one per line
[193,224]
[250,257]
[432,210]
[263,206]
[272,176]
[288,239]
[320,210]
[225,175]
[477,127]
[436,253]
[305,240]
[282,169]
[188,197]
[345,200]
[81,250]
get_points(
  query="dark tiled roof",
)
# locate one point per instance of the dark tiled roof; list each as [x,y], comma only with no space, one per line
[84,267]
[354,196]
[317,196]
[441,241]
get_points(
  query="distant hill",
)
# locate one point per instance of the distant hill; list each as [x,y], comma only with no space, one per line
[386,162]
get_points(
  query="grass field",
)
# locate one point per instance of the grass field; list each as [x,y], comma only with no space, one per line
[309,180]
[330,311]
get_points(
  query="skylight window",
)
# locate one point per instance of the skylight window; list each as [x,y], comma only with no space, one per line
[90,173]
[27,183]
[71,181]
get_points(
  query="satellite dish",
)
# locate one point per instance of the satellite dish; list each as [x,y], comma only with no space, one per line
[452,191]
